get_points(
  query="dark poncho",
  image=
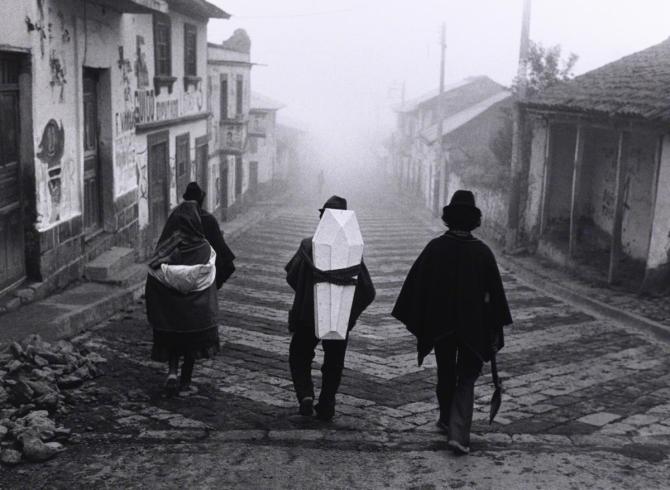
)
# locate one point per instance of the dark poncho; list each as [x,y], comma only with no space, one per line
[444,294]
[182,323]
[224,256]
[301,274]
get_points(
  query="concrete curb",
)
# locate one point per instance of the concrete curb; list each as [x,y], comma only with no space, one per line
[578,298]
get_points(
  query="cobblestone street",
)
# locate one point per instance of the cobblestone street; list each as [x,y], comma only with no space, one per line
[586,403]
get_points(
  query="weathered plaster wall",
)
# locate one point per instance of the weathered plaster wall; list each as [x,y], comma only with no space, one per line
[536,173]
[16,35]
[638,194]
[560,173]
[659,251]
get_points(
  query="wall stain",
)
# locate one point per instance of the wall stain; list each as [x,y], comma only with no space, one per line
[57,75]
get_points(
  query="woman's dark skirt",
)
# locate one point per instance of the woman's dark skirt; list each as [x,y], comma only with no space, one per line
[197,345]
[183,324]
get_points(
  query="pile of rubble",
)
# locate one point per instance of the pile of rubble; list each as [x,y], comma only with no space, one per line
[33,375]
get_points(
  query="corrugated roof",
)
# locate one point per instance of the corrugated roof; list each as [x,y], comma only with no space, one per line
[637,85]
[460,118]
[263,103]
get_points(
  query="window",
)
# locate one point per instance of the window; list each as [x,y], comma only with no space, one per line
[253,145]
[190,50]
[162,45]
[224,97]
[240,94]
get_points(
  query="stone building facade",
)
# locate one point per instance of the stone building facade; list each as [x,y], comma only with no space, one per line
[229,72]
[103,122]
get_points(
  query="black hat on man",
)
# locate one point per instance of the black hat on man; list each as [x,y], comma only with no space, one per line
[461,212]
[334,202]
[193,192]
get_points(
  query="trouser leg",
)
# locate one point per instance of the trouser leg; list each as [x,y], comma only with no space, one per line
[445,356]
[334,352]
[468,368]
[300,357]
[187,370]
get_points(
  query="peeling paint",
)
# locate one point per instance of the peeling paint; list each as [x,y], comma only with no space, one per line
[57,75]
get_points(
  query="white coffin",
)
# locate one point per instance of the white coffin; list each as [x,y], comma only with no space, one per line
[337,244]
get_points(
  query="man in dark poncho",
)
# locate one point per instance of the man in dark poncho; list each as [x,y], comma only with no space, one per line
[302,274]
[453,301]
[213,234]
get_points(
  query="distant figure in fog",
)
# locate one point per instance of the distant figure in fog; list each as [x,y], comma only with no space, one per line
[300,274]
[320,181]
[453,301]
[181,291]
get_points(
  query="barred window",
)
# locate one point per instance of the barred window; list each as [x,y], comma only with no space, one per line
[190,50]
[162,45]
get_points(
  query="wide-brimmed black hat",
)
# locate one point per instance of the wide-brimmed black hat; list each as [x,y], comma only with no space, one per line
[193,192]
[461,212]
[334,202]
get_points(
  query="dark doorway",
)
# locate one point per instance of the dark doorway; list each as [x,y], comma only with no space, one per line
[12,263]
[239,169]
[224,182]
[201,157]
[253,177]
[92,177]
[183,163]
[159,202]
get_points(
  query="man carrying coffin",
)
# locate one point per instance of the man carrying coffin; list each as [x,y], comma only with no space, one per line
[302,275]
[453,300]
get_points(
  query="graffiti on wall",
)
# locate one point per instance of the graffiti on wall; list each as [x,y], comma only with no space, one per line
[124,157]
[50,154]
[58,80]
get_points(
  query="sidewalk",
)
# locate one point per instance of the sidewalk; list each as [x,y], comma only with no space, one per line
[645,313]
[85,304]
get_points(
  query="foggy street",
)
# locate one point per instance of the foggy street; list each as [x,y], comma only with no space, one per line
[585,406]
[313,245]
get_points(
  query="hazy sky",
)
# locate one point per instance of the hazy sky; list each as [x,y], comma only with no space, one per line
[339,66]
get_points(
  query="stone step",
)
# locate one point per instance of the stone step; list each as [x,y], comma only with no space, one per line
[130,276]
[109,264]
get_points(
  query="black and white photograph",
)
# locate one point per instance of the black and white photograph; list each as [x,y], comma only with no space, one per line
[366,244]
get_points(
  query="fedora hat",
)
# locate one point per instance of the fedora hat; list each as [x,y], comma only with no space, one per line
[461,212]
[193,192]
[334,202]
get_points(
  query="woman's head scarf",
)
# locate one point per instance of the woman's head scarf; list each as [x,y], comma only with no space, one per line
[182,233]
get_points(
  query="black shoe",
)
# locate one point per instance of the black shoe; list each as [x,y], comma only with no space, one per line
[306,406]
[171,385]
[458,448]
[324,412]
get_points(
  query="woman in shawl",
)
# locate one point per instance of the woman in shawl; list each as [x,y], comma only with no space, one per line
[181,296]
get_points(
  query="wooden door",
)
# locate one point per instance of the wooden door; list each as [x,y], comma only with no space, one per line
[253,176]
[224,182]
[201,157]
[12,261]
[92,180]
[183,163]
[159,202]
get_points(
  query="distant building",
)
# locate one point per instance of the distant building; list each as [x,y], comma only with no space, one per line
[229,72]
[103,121]
[474,112]
[600,170]
[262,146]
[291,148]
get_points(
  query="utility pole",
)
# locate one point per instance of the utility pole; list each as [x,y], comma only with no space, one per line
[442,166]
[516,170]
